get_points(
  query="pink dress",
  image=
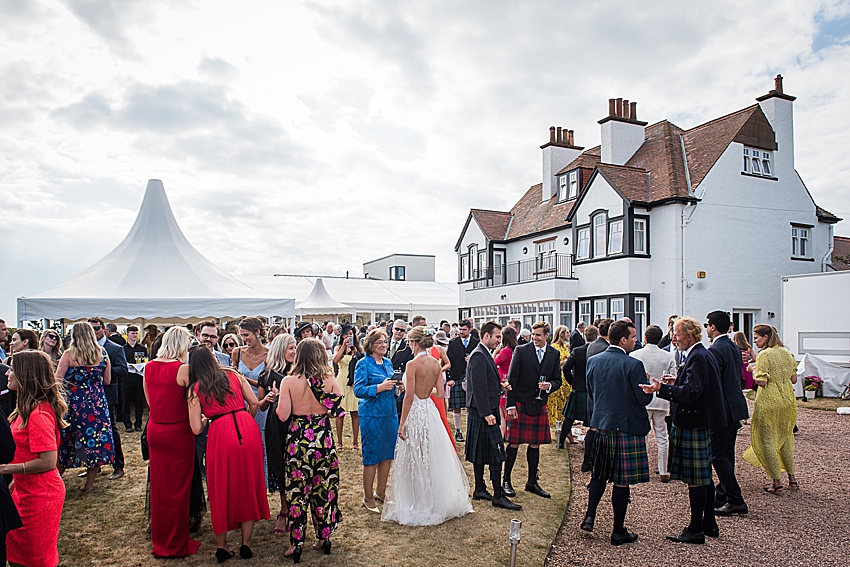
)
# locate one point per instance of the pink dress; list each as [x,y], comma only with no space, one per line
[503,363]
[39,497]
[749,381]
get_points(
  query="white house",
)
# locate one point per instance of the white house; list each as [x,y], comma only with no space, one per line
[402,267]
[655,220]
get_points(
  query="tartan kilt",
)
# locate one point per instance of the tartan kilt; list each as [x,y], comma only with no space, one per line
[531,429]
[619,458]
[576,407]
[689,457]
[457,395]
[484,444]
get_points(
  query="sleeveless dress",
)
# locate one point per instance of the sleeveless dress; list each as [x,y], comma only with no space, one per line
[438,401]
[172,460]
[39,497]
[312,469]
[87,442]
[260,418]
[429,484]
[349,400]
[235,481]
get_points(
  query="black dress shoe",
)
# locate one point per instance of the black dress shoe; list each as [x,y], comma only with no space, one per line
[587,524]
[509,489]
[718,502]
[687,537]
[482,495]
[128,428]
[139,428]
[620,539]
[711,531]
[535,489]
[502,502]
[730,509]
[245,552]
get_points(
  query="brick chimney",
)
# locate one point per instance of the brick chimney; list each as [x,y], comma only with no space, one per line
[622,132]
[778,107]
[557,152]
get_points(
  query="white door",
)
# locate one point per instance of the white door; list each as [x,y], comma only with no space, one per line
[498,267]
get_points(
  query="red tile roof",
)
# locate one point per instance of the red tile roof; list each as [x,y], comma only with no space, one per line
[494,224]
[842,250]
[661,155]
[826,216]
[531,215]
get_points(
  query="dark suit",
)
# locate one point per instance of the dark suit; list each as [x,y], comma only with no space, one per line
[723,440]
[576,340]
[7,400]
[117,339]
[575,369]
[525,372]
[402,356]
[457,354]
[118,364]
[597,346]
[613,383]
[484,445]
[696,399]
[132,388]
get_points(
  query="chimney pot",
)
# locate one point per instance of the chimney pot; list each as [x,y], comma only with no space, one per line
[551,134]
[633,111]
[559,135]
[570,138]
[619,109]
[625,108]
[612,108]
[777,84]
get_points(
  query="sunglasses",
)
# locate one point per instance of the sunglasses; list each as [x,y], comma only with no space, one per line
[54,337]
[705,325]
[229,345]
[96,327]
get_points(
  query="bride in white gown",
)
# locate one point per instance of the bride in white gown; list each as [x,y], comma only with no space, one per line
[429,484]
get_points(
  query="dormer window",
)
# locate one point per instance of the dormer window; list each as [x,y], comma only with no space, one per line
[757,162]
[562,188]
[573,185]
[568,186]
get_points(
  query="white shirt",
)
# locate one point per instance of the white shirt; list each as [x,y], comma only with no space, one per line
[102,341]
[619,347]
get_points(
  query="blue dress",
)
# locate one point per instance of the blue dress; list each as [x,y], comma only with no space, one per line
[88,440]
[377,411]
[260,418]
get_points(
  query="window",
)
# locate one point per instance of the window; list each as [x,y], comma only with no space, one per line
[583,245]
[640,316]
[464,268]
[573,191]
[800,242]
[562,188]
[600,232]
[546,255]
[584,312]
[566,313]
[618,308]
[757,162]
[615,240]
[640,236]
[397,273]
[482,264]
[600,308]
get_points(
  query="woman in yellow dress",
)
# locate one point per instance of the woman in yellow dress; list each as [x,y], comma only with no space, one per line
[558,398]
[775,412]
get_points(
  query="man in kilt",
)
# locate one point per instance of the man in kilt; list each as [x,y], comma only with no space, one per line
[697,407]
[618,453]
[483,436]
[535,373]
[458,352]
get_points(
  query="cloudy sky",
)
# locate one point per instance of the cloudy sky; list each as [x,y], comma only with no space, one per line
[309,137]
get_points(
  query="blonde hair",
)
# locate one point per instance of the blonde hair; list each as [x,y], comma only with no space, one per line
[741,340]
[275,360]
[770,333]
[372,338]
[556,335]
[421,335]
[175,344]
[311,360]
[55,352]
[36,383]
[690,326]
[84,348]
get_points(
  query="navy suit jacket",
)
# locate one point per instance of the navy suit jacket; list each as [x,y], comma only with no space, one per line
[728,357]
[525,372]
[482,382]
[613,383]
[696,399]
[118,362]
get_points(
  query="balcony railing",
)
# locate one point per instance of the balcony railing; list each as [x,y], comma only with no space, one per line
[544,267]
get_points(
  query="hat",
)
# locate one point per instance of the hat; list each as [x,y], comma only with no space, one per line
[441,338]
[346,327]
[400,324]
[301,327]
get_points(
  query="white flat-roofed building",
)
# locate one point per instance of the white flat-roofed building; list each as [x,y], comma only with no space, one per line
[402,267]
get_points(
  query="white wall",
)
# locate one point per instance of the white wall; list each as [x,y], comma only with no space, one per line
[416,268]
[620,141]
[807,306]
[599,195]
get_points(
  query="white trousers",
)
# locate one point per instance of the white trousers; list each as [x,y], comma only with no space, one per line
[659,425]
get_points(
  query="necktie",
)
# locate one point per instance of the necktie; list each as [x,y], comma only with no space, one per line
[540,355]
[465,343]
[392,352]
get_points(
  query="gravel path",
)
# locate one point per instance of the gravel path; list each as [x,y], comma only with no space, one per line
[809,527]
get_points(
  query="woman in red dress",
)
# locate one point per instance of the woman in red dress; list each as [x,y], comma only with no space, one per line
[172,446]
[503,363]
[38,490]
[235,477]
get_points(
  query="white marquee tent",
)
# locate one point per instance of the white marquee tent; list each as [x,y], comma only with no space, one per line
[154,275]
[319,302]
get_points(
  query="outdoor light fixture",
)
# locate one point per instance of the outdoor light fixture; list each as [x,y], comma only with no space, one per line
[504,297]
[516,526]
[525,250]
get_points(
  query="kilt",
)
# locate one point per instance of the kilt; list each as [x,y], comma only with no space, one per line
[619,458]
[484,444]
[531,429]
[576,407]
[689,457]
[457,395]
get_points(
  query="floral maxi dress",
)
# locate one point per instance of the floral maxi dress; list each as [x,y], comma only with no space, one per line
[87,442]
[312,469]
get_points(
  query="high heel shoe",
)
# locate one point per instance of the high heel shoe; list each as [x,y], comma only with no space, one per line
[245,552]
[223,555]
[277,530]
[326,547]
[295,555]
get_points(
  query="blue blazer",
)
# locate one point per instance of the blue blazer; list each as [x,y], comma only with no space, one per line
[613,383]
[367,375]
[696,399]
[728,357]
[118,364]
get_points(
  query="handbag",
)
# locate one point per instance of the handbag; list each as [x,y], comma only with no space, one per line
[146,451]
[352,364]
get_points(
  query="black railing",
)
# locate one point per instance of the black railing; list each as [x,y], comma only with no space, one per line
[543,267]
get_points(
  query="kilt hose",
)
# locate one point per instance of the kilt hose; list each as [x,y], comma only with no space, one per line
[457,395]
[619,458]
[530,429]
[689,457]
[484,444]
